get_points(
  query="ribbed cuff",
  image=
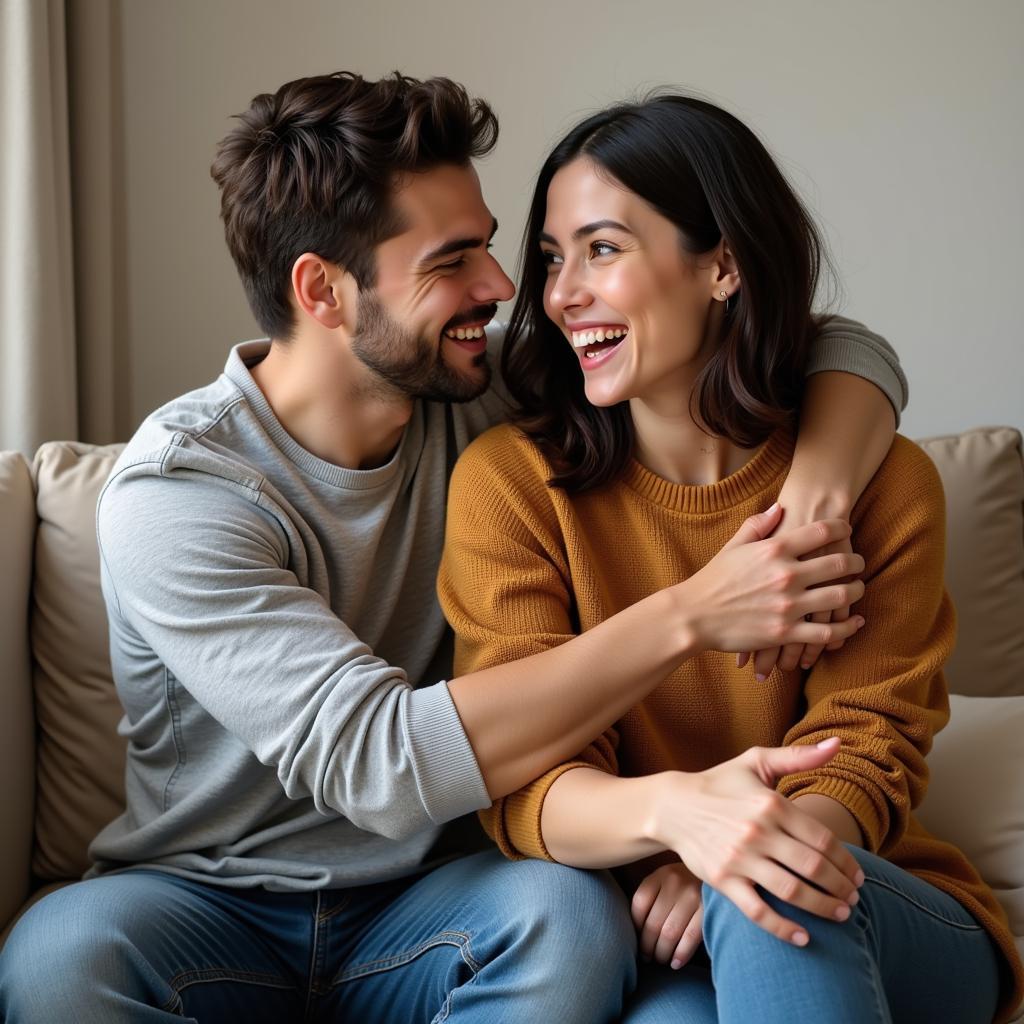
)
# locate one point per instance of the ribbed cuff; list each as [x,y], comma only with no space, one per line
[447,774]
[849,794]
[521,813]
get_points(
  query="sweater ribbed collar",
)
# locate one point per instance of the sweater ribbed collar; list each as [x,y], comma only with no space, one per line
[769,463]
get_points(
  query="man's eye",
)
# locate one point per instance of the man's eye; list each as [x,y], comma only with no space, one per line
[454,265]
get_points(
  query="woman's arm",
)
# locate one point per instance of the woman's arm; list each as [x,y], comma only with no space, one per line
[884,694]
[530,693]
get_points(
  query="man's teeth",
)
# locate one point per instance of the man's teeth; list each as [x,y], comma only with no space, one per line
[581,339]
[465,334]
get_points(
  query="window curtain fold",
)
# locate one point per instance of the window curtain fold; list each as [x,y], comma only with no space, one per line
[59,171]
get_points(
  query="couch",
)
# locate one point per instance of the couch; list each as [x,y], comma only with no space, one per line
[63,759]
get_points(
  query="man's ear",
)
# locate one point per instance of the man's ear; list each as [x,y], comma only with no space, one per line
[725,273]
[324,291]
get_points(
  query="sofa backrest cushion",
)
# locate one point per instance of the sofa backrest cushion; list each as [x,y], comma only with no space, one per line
[80,757]
[17,730]
[975,799]
[983,476]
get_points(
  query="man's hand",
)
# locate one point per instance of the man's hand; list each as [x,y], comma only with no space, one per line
[804,655]
[669,915]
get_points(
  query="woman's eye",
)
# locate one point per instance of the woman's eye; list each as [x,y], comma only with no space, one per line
[551,259]
[602,249]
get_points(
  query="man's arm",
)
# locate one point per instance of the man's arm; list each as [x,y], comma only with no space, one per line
[853,397]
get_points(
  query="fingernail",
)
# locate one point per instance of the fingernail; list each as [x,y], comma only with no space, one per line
[771,508]
[860,621]
[854,898]
[858,879]
[805,664]
[800,938]
[676,964]
[842,912]
[827,743]
[760,677]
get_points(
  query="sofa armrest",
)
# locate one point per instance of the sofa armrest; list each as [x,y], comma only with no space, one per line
[17,723]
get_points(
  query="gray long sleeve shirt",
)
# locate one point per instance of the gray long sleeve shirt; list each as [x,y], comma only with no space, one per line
[261,602]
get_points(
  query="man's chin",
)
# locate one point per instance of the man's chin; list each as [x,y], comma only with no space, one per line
[461,384]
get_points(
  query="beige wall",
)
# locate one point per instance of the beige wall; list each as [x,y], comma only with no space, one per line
[900,122]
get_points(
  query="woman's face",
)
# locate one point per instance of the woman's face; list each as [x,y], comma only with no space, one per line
[638,311]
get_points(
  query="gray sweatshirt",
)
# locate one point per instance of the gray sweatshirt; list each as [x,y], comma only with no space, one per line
[276,638]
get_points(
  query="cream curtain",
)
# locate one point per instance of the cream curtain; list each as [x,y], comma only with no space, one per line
[59,374]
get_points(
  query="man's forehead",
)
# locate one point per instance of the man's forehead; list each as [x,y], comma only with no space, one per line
[442,199]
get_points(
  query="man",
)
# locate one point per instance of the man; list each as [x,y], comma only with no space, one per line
[269,546]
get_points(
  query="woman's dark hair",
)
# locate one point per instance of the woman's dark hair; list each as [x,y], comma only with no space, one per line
[312,168]
[705,171]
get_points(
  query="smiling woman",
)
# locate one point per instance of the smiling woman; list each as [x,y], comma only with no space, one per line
[658,351]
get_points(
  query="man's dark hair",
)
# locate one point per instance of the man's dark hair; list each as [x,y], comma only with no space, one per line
[708,174]
[312,168]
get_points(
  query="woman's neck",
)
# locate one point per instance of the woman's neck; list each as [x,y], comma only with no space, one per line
[670,444]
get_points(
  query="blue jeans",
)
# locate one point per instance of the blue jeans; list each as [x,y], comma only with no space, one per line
[907,953]
[477,939]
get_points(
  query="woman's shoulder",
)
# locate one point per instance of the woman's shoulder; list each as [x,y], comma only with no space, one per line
[502,451]
[906,483]
[502,464]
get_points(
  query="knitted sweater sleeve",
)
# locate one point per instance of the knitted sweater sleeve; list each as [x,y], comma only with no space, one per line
[884,693]
[504,586]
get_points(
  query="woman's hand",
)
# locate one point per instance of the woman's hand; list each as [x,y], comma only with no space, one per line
[757,593]
[733,830]
[669,915]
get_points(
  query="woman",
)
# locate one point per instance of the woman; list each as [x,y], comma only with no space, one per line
[656,353]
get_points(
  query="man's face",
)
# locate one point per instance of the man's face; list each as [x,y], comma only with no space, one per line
[435,280]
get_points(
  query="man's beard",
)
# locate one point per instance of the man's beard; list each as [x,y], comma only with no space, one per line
[409,364]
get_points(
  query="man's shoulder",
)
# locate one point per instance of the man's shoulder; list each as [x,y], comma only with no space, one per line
[190,438]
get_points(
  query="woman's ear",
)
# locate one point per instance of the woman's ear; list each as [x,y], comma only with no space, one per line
[725,273]
[324,291]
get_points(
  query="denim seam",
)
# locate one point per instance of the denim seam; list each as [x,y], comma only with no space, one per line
[862,924]
[201,976]
[446,1007]
[972,927]
[447,938]
[314,958]
[328,914]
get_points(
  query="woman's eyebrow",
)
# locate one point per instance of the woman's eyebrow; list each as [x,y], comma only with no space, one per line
[587,229]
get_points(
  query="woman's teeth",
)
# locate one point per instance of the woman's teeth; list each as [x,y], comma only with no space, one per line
[464,334]
[581,339]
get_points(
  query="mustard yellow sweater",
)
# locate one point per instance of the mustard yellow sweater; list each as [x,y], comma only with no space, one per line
[527,567]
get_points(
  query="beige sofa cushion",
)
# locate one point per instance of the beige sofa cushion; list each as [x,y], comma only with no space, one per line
[17,732]
[976,796]
[80,759]
[984,480]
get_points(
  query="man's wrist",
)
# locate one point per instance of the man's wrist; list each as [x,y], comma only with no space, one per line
[802,505]
[684,614]
[661,798]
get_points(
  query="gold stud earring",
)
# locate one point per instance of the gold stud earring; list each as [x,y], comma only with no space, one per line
[724,296]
